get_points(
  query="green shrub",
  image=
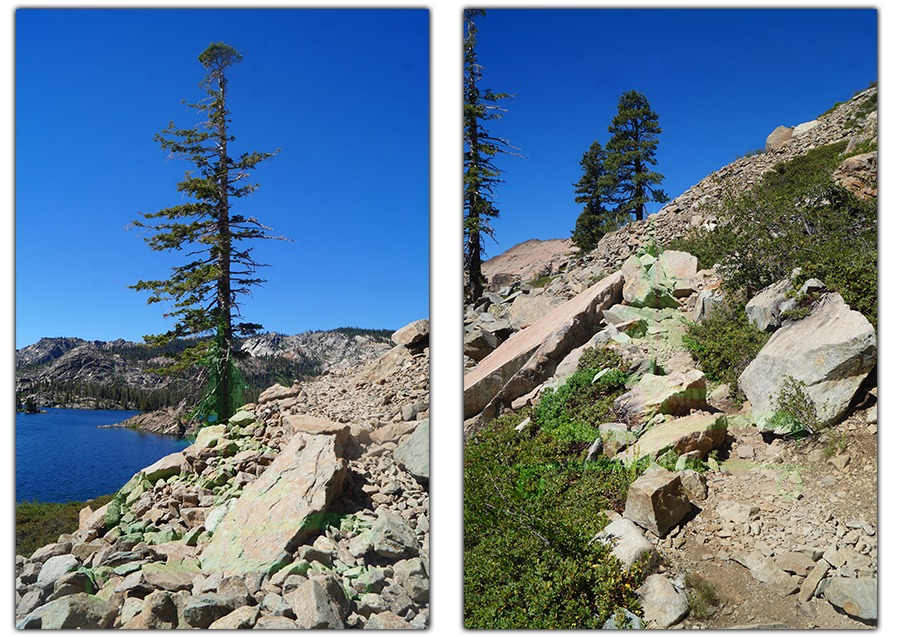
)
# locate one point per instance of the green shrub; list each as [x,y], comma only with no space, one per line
[530,512]
[795,217]
[601,358]
[41,523]
[724,344]
[796,412]
[573,412]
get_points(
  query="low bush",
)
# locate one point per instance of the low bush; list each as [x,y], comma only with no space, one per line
[41,523]
[724,344]
[573,412]
[530,512]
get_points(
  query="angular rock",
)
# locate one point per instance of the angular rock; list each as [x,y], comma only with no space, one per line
[276,622]
[71,583]
[370,604]
[243,617]
[165,467]
[859,174]
[170,577]
[795,562]
[392,432]
[858,597]
[392,537]
[737,512]
[832,351]
[281,509]
[54,568]
[678,265]
[479,343]
[694,485]
[764,309]
[159,611]
[410,411]
[31,600]
[201,611]
[79,611]
[278,392]
[384,367]
[387,620]
[294,423]
[677,394]
[413,578]
[413,335]
[811,581]
[646,286]
[778,138]
[629,543]
[657,501]
[526,310]
[44,553]
[313,607]
[208,436]
[660,601]
[766,571]
[413,453]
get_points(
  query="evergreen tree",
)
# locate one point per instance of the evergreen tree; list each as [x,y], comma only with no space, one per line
[480,173]
[204,291]
[594,190]
[630,152]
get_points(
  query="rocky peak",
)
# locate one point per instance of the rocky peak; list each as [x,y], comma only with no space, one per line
[45,350]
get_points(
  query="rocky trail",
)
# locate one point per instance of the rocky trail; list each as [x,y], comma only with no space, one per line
[757,504]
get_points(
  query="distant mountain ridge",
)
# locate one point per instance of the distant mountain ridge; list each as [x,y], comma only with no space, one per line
[71,372]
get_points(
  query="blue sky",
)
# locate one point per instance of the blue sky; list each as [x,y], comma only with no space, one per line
[720,80]
[343,93]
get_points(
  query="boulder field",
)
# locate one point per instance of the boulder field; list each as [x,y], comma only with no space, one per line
[308,509]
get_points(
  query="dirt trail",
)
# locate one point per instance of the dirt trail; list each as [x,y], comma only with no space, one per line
[827,506]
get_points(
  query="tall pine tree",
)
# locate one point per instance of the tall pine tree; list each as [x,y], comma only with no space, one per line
[629,154]
[480,172]
[594,190]
[204,291]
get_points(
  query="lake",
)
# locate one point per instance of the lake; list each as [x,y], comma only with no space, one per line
[62,456]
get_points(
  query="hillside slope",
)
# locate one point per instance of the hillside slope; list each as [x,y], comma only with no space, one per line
[780,517]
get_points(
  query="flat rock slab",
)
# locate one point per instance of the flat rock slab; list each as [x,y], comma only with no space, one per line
[765,570]
[495,370]
[702,433]
[280,509]
[295,423]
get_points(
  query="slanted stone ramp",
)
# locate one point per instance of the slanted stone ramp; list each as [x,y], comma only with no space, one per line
[530,356]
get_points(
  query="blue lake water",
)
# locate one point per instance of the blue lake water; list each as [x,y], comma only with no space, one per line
[63,456]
